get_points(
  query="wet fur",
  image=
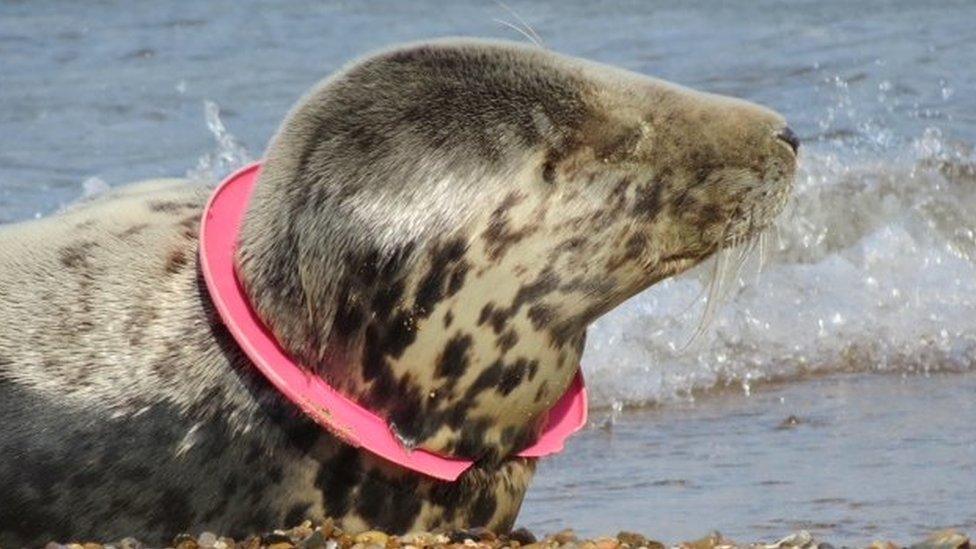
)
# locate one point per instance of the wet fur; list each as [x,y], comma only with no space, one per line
[434,229]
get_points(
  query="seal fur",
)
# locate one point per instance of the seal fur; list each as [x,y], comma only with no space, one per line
[433,230]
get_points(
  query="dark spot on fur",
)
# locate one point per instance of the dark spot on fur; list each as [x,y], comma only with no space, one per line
[407,415]
[499,236]
[190,226]
[472,442]
[448,319]
[540,315]
[394,506]
[336,479]
[401,333]
[506,341]
[296,514]
[498,320]
[453,361]
[430,289]
[635,245]
[132,231]
[456,282]
[483,507]
[648,201]
[549,171]
[513,376]
[349,316]
[169,206]
[175,261]
[485,313]
[571,245]
[546,282]
[386,297]
[76,256]
[712,214]
[488,378]
[541,391]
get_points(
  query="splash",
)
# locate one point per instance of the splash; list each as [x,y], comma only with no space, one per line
[872,269]
[227,157]
[93,187]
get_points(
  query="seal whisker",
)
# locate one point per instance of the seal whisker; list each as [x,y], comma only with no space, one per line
[518,29]
[534,38]
[719,266]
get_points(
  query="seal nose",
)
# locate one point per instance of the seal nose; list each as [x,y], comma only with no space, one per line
[790,137]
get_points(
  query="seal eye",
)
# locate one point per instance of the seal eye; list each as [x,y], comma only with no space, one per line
[786,134]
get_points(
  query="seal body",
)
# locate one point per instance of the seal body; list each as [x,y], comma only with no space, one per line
[128,410]
[433,230]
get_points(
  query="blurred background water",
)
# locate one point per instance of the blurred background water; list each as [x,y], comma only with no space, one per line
[832,391]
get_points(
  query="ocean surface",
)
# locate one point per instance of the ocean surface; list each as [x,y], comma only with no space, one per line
[830,385]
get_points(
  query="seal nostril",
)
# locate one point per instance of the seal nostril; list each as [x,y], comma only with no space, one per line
[790,137]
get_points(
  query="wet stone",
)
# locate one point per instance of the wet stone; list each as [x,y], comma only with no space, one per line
[315,541]
[565,536]
[947,539]
[632,539]
[185,541]
[328,536]
[372,537]
[130,543]
[523,536]
[207,540]
[275,538]
[606,543]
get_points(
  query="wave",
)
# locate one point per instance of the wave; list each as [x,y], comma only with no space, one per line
[872,268]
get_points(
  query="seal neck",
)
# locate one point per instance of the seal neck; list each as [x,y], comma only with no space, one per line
[344,417]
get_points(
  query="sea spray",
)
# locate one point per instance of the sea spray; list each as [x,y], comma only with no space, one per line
[229,155]
[872,269]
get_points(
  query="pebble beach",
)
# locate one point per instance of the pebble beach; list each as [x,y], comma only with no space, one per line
[328,536]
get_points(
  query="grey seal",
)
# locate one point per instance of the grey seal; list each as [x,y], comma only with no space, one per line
[433,230]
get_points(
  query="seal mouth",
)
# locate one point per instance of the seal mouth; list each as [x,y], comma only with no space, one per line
[674,264]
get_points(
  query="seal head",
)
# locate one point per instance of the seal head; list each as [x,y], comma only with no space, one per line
[435,226]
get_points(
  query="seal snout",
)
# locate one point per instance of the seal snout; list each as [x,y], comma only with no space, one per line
[789,136]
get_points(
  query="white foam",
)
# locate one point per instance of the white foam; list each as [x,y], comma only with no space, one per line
[873,268]
[229,155]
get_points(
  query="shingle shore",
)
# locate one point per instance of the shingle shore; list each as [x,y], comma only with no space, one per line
[328,536]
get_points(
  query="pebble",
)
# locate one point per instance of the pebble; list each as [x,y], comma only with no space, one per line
[372,537]
[606,543]
[315,541]
[130,543]
[565,536]
[523,536]
[946,539]
[633,539]
[185,541]
[207,539]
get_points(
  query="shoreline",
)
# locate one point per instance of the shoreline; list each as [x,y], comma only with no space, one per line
[328,536]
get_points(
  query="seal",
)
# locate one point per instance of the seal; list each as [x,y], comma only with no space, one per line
[432,231]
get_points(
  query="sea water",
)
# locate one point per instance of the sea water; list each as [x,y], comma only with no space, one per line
[833,387]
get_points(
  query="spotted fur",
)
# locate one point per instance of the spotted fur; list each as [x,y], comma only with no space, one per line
[434,228]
